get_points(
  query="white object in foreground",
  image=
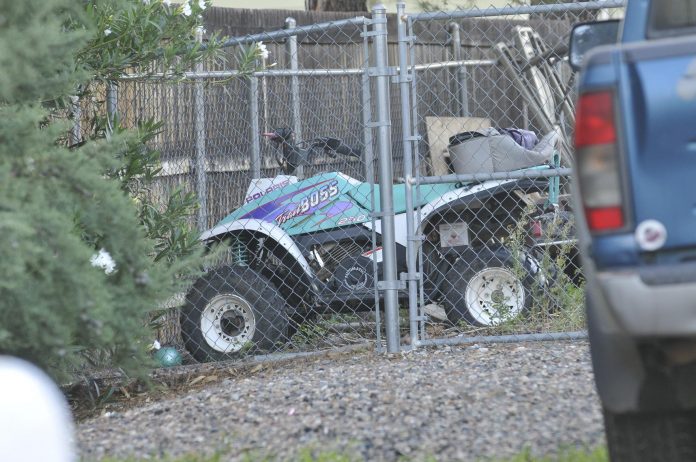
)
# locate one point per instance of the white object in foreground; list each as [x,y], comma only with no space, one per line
[35,422]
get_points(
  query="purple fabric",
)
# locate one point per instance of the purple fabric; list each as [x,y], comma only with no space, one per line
[525,138]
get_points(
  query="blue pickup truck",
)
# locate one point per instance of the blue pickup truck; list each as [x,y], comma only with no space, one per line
[635,173]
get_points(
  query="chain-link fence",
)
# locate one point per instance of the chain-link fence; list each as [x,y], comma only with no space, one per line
[281,161]
[491,127]
[326,193]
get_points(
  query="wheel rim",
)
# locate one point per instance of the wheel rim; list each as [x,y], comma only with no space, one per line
[228,323]
[494,295]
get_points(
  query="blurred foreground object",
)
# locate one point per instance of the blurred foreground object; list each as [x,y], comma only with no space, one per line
[35,422]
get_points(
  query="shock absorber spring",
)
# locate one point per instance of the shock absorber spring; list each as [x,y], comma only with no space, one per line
[239,251]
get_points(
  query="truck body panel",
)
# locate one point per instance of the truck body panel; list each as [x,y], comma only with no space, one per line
[657,144]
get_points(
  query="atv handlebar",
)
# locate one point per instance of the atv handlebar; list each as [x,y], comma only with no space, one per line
[293,154]
[333,146]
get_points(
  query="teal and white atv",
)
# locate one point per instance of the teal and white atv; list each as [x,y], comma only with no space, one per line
[298,248]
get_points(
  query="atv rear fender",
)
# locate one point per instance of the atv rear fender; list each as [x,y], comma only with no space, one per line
[491,205]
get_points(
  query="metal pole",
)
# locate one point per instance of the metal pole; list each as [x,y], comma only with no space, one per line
[226,74]
[530,173]
[199,123]
[275,36]
[517,10]
[412,275]
[417,167]
[390,284]
[516,338]
[290,24]
[111,105]
[460,72]
[255,130]
[369,159]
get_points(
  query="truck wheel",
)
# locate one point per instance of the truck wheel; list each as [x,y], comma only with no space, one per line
[486,287]
[230,311]
[651,436]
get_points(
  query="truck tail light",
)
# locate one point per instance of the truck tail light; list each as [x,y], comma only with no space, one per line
[597,162]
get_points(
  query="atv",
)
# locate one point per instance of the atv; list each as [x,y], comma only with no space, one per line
[299,248]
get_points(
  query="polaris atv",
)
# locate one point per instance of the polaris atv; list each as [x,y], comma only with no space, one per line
[298,248]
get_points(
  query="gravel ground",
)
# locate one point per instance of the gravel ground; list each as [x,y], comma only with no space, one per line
[450,403]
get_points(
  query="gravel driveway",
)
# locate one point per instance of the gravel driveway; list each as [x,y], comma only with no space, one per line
[451,403]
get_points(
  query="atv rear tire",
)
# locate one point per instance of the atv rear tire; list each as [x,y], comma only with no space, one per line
[486,287]
[664,436]
[230,311]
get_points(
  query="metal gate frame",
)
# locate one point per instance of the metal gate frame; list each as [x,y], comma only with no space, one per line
[412,173]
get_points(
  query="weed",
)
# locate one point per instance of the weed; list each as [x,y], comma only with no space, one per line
[309,332]
[564,455]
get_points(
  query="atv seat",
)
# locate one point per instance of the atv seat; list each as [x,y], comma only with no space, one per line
[361,194]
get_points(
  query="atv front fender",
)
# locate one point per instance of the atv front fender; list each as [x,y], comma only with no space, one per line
[272,231]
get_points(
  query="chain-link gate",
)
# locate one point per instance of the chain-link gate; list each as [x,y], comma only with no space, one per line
[492,251]
[326,193]
[282,162]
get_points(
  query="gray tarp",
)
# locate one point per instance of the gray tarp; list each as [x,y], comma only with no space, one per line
[489,152]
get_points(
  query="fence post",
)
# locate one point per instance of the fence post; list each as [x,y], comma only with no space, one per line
[290,23]
[390,283]
[415,120]
[255,130]
[199,122]
[404,79]
[369,160]
[460,72]
[111,105]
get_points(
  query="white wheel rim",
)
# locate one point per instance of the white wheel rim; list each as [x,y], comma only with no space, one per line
[228,323]
[494,295]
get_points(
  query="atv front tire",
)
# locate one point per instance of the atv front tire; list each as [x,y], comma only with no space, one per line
[486,287]
[230,311]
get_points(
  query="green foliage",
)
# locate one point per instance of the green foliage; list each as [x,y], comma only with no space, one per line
[309,333]
[558,299]
[145,37]
[64,208]
[561,304]
[59,212]
[36,57]
[167,224]
[187,458]
[564,455]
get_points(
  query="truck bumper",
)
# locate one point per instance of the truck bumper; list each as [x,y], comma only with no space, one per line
[648,310]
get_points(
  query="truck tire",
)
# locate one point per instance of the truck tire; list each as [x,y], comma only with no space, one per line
[486,287]
[231,311]
[662,436]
